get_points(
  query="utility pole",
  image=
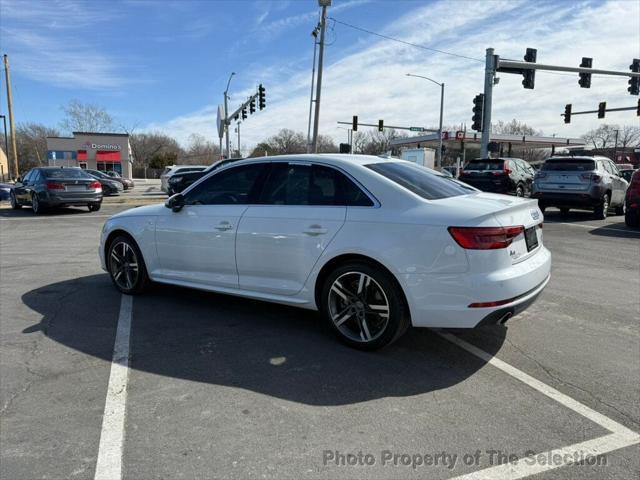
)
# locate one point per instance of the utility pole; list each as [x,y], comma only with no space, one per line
[441,85]
[615,147]
[314,34]
[226,113]
[489,76]
[14,165]
[323,24]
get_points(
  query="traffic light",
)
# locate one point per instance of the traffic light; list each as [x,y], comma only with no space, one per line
[529,75]
[478,107]
[585,78]
[354,124]
[380,125]
[602,107]
[244,113]
[252,106]
[567,113]
[261,97]
[634,82]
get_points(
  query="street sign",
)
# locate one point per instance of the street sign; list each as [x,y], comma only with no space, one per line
[416,129]
[220,121]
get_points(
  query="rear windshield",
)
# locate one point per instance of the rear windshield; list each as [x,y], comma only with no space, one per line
[569,165]
[65,173]
[485,165]
[189,169]
[429,184]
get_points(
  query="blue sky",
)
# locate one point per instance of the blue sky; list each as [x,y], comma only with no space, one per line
[162,65]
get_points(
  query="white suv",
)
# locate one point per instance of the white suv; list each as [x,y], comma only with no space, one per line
[173,169]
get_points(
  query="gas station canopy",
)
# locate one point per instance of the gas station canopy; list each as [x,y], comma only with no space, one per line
[451,138]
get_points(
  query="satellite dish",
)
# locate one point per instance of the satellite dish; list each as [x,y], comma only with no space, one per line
[220,121]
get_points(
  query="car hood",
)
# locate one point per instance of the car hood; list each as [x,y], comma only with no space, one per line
[147,210]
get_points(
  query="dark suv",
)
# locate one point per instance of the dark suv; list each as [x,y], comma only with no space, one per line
[180,181]
[45,187]
[499,175]
[580,182]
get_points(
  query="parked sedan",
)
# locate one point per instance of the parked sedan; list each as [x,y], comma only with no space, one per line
[5,191]
[109,185]
[127,183]
[45,187]
[376,244]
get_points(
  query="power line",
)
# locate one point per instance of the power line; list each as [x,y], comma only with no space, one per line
[405,42]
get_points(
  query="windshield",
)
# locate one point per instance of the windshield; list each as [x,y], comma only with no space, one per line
[569,165]
[424,182]
[65,173]
[485,165]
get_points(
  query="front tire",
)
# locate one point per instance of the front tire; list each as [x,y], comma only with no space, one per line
[126,266]
[602,209]
[620,210]
[364,306]
[14,201]
[519,191]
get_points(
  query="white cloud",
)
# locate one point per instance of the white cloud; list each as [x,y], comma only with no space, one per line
[371,81]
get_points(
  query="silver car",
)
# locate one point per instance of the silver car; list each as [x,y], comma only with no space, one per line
[592,183]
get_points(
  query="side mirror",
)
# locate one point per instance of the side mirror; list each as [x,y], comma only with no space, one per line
[175,202]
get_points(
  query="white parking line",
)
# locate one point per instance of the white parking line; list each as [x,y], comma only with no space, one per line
[620,436]
[109,464]
[593,227]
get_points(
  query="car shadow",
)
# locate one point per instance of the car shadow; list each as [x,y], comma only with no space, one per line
[281,351]
[50,212]
[618,229]
[571,216]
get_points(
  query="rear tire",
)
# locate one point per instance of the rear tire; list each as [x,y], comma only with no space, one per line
[364,305]
[519,191]
[14,201]
[564,211]
[126,266]
[36,206]
[600,212]
[94,207]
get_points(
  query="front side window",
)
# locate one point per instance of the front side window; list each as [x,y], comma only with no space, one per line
[229,187]
[419,180]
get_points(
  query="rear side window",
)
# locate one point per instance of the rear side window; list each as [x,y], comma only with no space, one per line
[66,173]
[189,169]
[296,184]
[485,165]
[569,165]
[421,181]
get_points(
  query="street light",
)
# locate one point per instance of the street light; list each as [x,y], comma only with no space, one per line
[226,113]
[6,140]
[441,111]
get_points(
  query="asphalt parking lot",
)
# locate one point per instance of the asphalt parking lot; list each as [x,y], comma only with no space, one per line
[214,386]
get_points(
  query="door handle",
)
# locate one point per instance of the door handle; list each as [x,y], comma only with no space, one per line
[314,230]
[223,226]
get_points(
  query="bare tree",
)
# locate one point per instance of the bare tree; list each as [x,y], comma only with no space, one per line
[374,142]
[628,136]
[326,144]
[86,117]
[602,137]
[514,127]
[31,142]
[145,146]
[200,151]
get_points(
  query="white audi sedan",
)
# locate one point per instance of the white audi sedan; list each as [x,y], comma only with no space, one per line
[375,244]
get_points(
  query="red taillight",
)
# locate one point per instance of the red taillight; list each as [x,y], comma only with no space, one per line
[594,177]
[95,185]
[485,238]
[55,186]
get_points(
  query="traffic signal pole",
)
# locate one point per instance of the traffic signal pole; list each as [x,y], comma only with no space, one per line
[489,78]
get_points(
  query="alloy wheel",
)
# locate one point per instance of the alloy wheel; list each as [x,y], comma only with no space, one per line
[35,203]
[358,307]
[123,265]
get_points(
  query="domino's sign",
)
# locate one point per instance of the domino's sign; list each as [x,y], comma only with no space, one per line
[103,146]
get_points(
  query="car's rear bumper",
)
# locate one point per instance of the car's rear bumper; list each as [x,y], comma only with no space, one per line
[442,300]
[70,199]
[582,198]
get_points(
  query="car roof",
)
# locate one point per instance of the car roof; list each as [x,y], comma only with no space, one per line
[579,157]
[336,159]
